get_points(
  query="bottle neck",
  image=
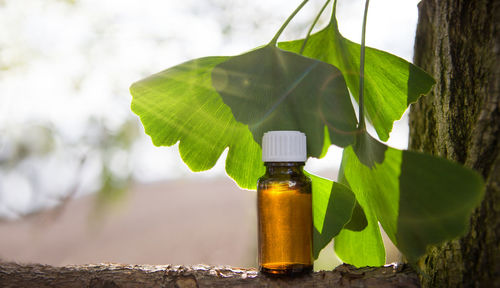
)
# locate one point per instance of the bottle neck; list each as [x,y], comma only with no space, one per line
[287,168]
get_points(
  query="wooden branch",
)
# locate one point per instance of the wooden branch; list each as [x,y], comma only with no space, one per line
[118,275]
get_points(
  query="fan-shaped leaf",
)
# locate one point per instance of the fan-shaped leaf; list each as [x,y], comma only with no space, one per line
[180,105]
[391,83]
[418,199]
[271,89]
[333,204]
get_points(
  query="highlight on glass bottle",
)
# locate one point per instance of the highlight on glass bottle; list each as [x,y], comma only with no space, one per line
[284,205]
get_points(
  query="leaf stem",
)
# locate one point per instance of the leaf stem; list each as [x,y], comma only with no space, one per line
[333,18]
[312,26]
[275,38]
[361,99]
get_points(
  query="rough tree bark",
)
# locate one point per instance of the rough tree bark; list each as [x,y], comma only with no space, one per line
[131,276]
[458,42]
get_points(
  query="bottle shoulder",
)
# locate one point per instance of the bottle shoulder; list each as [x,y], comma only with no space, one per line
[284,177]
[293,181]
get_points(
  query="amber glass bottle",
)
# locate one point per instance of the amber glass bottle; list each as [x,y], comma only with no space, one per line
[284,205]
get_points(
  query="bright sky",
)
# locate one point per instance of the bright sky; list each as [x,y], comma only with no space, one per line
[64,62]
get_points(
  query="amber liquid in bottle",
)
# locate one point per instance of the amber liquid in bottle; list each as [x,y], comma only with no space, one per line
[284,207]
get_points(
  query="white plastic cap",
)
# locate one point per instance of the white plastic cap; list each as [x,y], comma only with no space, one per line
[284,146]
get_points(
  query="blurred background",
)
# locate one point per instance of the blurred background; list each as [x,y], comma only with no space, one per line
[80,182]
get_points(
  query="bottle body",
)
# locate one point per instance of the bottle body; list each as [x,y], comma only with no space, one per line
[284,205]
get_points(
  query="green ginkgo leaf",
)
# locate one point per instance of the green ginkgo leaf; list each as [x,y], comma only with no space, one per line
[363,247]
[271,89]
[358,220]
[333,205]
[418,199]
[391,83]
[180,105]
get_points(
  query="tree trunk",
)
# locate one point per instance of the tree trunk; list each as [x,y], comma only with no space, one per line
[458,42]
[115,276]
